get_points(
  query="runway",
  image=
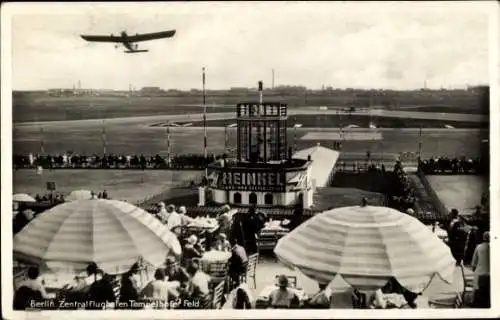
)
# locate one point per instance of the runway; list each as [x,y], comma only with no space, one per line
[231,115]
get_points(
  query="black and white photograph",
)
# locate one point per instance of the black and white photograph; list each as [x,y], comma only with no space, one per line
[258,159]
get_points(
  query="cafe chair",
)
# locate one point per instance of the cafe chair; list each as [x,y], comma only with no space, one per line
[358,300]
[452,302]
[218,296]
[250,270]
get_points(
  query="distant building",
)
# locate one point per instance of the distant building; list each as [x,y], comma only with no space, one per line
[151,90]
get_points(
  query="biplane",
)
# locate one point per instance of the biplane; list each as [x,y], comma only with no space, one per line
[129,41]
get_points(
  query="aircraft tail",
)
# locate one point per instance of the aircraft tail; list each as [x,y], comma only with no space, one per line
[135,51]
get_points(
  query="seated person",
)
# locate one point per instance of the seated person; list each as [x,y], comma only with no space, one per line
[174,272]
[101,291]
[198,288]
[393,286]
[283,297]
[239,298]
[30,290]
[129,289]
[190,249]
[221,243]
[322,299]
[157,290]
[237,263]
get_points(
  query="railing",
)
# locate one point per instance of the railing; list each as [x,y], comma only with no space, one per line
[438,204]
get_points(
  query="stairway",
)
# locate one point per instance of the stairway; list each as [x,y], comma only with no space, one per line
[423,202]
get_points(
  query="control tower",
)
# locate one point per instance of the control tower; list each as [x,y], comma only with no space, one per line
[264,173]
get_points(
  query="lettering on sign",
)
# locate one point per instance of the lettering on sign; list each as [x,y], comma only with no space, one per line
[252,181]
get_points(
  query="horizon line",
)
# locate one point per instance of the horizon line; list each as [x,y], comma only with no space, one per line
[288,86]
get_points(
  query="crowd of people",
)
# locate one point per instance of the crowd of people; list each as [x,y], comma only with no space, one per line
[469,245]
[458,165]
[113,161]
[236,235]
[401,194]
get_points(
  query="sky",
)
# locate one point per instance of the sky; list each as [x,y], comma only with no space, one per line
[339,44]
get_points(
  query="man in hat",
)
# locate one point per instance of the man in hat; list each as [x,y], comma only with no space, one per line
[246,228]
[174,271]
[283,297]
[190,251]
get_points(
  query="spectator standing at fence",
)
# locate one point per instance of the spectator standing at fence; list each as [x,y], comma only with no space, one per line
[105,194]
[481,268]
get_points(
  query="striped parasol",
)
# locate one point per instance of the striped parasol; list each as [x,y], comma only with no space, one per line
[112,233]
[367,245]
[23,197]
[79,195]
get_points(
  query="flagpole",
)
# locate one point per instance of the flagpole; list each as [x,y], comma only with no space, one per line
[168,143]
[420,143]
[261,145]
[42,144]
[204,122]
[103,138]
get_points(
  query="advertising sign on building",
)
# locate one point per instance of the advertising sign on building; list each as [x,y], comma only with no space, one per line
[252,180]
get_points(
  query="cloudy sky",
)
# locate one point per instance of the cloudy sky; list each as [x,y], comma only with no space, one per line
[368,45]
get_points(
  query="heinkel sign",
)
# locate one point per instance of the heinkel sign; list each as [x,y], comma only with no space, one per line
[252,180]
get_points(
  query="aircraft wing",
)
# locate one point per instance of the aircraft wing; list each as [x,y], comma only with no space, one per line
[102,38]
[150,36]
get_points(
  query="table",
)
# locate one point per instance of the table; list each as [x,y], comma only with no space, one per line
[440,233]
[263,298]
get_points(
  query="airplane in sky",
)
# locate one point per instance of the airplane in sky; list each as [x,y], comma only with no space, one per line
[129,41]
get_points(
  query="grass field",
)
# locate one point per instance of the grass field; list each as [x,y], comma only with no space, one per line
[41,107]
[129,185]
[142,139]
[332,120]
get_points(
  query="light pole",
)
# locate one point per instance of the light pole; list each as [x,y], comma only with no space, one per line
[295,126]
[226,137]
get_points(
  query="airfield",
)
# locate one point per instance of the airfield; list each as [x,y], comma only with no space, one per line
[145,135]
[138,135]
